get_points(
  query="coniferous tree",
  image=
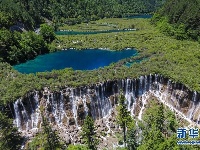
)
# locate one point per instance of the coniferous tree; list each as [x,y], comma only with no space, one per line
[48,139]
[131,136]
[89,133]
[123,116]
[10,138]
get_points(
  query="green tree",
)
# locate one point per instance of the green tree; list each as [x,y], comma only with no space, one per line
[10,138]
[5,20]
[123,115]
[77,147]
[154,124]
[89,133]
[48,139]
[47,33]
[131,136]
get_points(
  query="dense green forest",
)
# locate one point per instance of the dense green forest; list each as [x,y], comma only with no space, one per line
[34,12]
[16,47]
[180,18]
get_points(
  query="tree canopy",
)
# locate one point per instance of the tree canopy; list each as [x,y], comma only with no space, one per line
[181,18]
[89,133]
[10,138]
[34,12]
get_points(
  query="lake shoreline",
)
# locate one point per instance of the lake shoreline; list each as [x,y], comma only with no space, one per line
[88,59]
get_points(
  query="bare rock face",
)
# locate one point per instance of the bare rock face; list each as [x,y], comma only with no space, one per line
[65,120]
[71,121]
[80,112]
[88,102]
[67,140]
[112,100]
[52,118]
[66,97]
[68,106]
[196,115]
[43,102]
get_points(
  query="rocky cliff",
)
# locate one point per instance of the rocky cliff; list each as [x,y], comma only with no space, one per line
[67,108]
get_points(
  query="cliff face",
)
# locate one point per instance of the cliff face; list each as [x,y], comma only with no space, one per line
[67,108]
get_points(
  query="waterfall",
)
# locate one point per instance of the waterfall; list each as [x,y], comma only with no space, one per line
[128,96]
[62,112]
[85,101]
[24,114]
[17,120]
[101,102]
[144,99]
[150,81]
[36,112]
[32,113]
[141,86]
[69,106]
[55,106]
[74,107]
[191,111]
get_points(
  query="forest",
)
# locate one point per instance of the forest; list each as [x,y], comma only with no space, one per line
[34,12]
[180,19]
[168,43]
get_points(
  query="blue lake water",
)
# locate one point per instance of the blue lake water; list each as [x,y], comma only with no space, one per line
[88,59]
[90,32]
[144,16]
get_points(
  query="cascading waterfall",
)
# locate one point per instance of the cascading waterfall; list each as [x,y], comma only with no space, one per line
[17,120]
[128,96]
[70,106]
[191,111]
[36,113]
[61,112]
[150,81]
[143,106]
[85,101]
[74,107]
[24,114]
[32,113]
[195,110]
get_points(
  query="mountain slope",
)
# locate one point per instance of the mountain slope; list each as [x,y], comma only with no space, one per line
[182,15]
[33,12]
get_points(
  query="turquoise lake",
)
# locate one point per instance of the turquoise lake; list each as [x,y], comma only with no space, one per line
[144,16]
[90,32]
[88,59]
